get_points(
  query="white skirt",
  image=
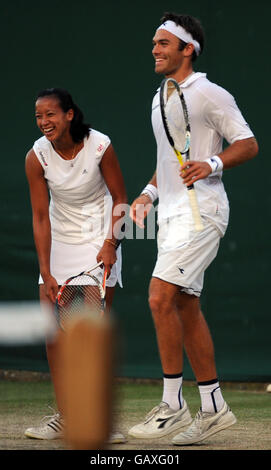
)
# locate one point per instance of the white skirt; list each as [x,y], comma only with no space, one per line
[69,260]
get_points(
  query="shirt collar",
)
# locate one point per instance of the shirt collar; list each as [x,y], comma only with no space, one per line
[191,79]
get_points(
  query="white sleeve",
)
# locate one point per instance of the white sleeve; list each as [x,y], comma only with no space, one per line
[101,145]
[41,151]
[223,115]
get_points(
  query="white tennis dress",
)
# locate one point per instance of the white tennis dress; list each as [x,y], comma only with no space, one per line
[183,254]
[80,207]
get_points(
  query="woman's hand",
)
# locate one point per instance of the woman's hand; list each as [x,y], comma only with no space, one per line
[107,255]
[51,288]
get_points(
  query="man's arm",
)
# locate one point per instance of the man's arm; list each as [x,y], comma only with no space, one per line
[239,152]
[235,154]
[143,203]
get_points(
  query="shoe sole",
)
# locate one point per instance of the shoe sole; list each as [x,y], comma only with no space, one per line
[35,436]
[209,433]
[157,435]
[117,441]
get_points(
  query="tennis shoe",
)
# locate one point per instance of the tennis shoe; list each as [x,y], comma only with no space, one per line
[53,428]
[205,425]
[160,421]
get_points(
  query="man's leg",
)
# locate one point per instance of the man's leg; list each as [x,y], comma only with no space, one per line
[214,415]
[172,414]
[178,320]
[162,301]
[198,342]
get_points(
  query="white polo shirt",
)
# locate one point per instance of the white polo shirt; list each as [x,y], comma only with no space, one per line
[213,116]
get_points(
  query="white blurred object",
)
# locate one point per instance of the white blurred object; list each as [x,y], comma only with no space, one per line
[23,323]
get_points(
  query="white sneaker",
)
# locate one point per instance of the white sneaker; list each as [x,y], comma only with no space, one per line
[161,421]
[116,438]
[52,429]
[204,425]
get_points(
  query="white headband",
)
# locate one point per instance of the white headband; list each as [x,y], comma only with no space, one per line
[181,33]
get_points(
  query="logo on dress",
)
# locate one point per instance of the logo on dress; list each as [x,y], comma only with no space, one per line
[43,159]
[100,148]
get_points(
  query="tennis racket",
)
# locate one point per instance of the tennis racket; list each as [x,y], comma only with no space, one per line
[177,127]
[83,292]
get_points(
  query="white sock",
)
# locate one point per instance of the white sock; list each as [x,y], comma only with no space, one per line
[211,396]
[172,391]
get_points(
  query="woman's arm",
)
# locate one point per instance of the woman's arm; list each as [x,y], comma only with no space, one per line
[41,223]
[112,175]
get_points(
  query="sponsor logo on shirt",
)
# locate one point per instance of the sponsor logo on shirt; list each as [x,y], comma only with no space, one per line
[43,158]
[214,161]
[100,148]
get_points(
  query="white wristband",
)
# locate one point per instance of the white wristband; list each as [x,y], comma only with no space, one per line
[215,163]
[151,191]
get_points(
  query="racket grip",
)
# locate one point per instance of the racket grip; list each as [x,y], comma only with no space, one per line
[195,209]
[104,279]
[179,156]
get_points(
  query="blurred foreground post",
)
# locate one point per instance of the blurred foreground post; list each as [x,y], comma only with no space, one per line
[87,356]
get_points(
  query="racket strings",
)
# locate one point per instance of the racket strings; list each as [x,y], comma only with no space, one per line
[177,120]
[79,296]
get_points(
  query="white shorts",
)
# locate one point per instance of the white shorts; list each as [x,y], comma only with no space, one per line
[68,260]
[184,254]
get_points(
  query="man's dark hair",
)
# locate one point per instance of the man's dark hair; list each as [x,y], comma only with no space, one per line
[78,129]
[191,25]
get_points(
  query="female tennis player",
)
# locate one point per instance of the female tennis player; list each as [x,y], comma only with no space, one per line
[74,225]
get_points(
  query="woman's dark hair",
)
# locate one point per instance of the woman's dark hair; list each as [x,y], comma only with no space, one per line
[191,25]
[79,129]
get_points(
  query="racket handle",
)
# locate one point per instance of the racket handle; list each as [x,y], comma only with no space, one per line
[195,209]
[104,278]
[192,199]
[179,156]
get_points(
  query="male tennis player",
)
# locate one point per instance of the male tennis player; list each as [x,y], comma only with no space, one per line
[183,253]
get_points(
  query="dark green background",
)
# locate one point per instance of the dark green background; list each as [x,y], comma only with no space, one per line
[101,52]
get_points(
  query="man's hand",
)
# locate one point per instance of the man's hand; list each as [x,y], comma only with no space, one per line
[140,209]
[193,171]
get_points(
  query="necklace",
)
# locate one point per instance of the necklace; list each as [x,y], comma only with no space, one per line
[64,156]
